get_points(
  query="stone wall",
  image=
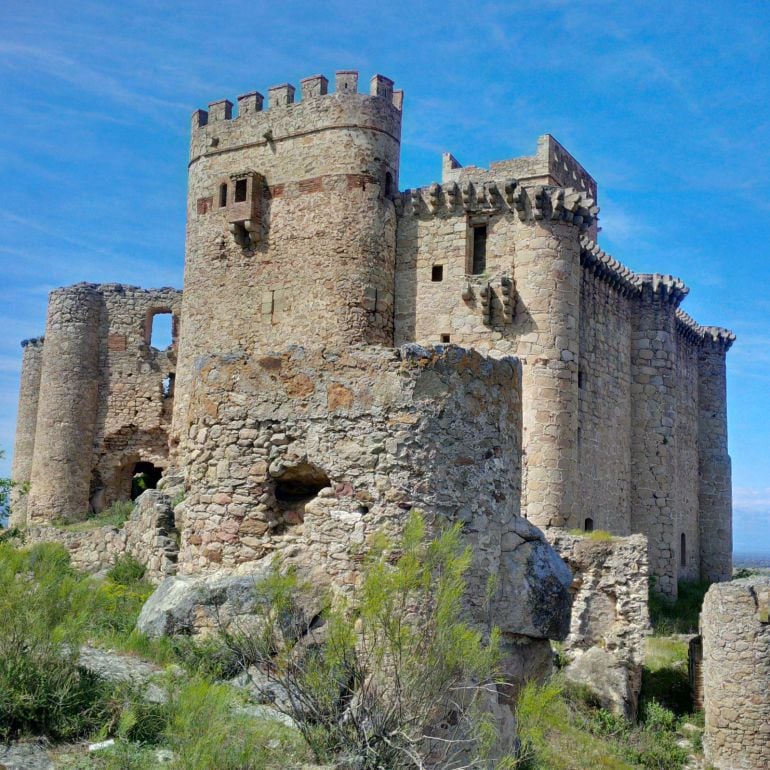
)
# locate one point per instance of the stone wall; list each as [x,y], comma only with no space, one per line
[148,536]
[307,453]
[604,404]
[104,399]
[610,618]
[735,629]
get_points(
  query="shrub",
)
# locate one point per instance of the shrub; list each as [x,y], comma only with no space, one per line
[126,571]
[42,689]
[399,674]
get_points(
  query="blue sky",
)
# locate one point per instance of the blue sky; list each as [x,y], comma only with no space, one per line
[666,104]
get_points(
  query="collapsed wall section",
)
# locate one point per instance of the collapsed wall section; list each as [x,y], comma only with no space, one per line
[735,630]
[307,454]
[610,617]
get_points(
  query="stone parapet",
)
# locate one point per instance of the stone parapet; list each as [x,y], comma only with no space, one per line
[529,204]
[735,630]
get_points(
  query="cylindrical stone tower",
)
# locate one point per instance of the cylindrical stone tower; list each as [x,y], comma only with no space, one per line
[715,494]
[735,628]
[26,421]
[67,409]
[547,268]
[290,223]
[653,396]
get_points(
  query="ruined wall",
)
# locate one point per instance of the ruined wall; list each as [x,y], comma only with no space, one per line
[135,392]
[310,259]
[604,406]
[308,453]
[610,619]
[104,398]
[26,424]
[148,536]
[735,628]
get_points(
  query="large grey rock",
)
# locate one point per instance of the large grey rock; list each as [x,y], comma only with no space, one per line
[611,678]
[534,598]
[189,605]
[25,756]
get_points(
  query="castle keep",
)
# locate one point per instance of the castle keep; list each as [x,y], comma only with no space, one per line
[315,389]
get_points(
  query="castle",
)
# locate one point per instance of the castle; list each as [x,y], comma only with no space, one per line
[343,350]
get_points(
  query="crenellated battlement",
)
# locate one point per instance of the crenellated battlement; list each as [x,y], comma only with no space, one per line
[666,288]
[530,204]
[284,116]
[607,268]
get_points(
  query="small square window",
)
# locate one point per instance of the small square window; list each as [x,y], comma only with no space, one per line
[445,338]
[437,273]
[240,190]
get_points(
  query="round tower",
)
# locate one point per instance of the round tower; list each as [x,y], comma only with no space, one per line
[26,420]
[67,406]
[290,223]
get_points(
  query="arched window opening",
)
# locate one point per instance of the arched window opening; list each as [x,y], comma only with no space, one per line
[388,184]
[145,476]
[160,329]
[588,525]
[683,549]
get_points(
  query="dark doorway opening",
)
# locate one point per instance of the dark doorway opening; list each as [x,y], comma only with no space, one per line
[589,525]
[145,476]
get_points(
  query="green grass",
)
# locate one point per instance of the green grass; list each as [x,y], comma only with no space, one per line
[679,616]
[562,728]
[600,535]
[114,516]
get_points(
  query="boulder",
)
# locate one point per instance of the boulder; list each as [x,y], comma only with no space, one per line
[190,605]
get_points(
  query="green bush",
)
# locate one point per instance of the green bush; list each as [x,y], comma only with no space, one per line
[679,616]
[126,571]
[377,680]
[42,604]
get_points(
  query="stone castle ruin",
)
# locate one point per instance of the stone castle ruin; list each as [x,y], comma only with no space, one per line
[343,351]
